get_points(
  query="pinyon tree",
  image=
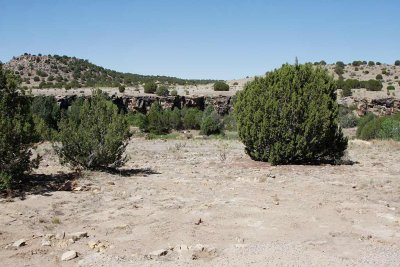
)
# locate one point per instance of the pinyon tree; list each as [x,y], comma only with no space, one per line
[17,133]
[93,135]
[291,116]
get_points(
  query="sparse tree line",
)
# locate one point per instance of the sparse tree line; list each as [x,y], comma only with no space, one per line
[288,116]
[81,73]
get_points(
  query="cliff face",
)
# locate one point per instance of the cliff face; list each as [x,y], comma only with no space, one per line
[224,104]
[381,106]
[221,104]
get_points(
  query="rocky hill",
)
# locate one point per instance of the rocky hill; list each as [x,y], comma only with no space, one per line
[362,79]
[53,71]
[385,74]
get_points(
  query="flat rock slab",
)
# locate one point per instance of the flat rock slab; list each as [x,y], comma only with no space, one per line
[69,255]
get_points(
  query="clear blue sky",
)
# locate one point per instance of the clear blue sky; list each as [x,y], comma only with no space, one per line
[222,39]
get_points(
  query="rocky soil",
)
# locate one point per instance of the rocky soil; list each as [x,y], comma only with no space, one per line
[204,202]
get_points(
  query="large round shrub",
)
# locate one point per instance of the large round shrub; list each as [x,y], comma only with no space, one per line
[221,86]
[291,116]
[93,135]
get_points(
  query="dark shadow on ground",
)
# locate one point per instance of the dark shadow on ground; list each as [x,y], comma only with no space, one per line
[41,184]
[130,172]
[45,184]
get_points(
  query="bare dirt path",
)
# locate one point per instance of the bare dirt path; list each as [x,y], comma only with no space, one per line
[204,202]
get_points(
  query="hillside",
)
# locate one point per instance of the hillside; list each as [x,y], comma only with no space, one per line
[377,73]
[359,78]
[53,71]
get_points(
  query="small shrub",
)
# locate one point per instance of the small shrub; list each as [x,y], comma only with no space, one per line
[157,120]
[340,64]
[346,91]
[347,118]
[390,129]
[371,63]
[173,118]
[371,129]
[150,88]
[93,135]
[372,85]
[229,122]
[121,89]
[210,122]
[235,83]
[397,63]
[36,79]
[191,118]
[378,63]
[174,92]
[41,73]
[339,70]
[162,91]
[390,87]
[379,77]
[221,86]
[137,119]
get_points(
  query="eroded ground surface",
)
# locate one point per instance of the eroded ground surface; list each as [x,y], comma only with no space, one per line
[204,202]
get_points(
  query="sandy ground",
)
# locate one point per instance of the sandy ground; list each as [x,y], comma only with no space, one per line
[251,213]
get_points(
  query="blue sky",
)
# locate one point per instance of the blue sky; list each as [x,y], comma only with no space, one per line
[221,39]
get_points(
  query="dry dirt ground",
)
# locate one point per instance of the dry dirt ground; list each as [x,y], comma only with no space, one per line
[205,203]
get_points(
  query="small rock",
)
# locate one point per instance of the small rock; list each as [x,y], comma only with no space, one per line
[78,235]
[19,243]
[157,253]
[46,243]
[92,244]
[69,255]
[60,235]
[49,236]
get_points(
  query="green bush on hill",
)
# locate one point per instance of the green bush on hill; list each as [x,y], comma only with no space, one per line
[162,91]
[221,86]
[150,87]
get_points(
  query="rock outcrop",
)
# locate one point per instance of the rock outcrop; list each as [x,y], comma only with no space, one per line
[221,104]
[381,106]
[224,104]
